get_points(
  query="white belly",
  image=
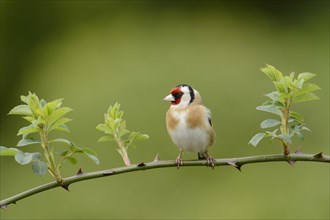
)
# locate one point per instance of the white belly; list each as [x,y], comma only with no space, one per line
[191,140]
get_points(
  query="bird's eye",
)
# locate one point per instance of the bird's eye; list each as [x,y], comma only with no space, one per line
[177,95]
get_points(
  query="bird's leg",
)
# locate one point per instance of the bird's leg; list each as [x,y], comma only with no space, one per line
[210,160]
[178,160]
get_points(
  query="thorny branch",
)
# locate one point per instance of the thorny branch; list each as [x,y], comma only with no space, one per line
[235,162]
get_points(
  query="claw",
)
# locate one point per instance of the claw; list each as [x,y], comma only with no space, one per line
[179,161]
[210,162]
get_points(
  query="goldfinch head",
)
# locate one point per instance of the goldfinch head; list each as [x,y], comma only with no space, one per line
[183,95]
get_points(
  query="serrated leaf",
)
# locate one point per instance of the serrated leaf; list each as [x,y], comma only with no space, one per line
[21,110]
[305,97]
[4,151]
[28,130]
[105,138]
[256,139]
[308,87]
[272,73]
[39,167]
[28,141]
[268,123]
[306,76]
[269,108]
[299,83]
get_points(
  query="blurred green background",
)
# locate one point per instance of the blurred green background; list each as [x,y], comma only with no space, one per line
[94,53]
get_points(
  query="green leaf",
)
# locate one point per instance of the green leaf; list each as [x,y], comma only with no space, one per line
[4,151]
[256,139]
[72,160]
[62,127]
[269,108]
[268,123]
[64,153]
[91,154]
[21,110]
[61,140]
[50,107]
[105,138]
[272,73]
[57,115]
[123,132]
[28,141]
[142,137]
[29,118]
[296,116]
[308,87]
[59,123]
[25,158]
[306,76]
[274,96]
[102,127]
[39,167]
[305,97]
[285,138]
[28,130]
[299,83]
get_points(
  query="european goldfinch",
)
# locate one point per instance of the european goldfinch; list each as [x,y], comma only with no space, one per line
[189,124]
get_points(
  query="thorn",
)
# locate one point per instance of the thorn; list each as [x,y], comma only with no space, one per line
[291,162]
[234,164]
[4,206]
[238,166]
[319,155]
[298,151]
[79,172]
[156,158]
[108,173]
[66,187]
[142,164]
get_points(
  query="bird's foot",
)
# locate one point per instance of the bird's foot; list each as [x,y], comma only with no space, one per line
[179,162]
[210,162]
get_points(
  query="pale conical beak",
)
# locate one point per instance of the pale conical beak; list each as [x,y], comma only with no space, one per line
[169,98]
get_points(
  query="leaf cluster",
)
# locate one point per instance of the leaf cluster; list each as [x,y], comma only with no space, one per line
[44,117]
[114,128]
[289,90]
